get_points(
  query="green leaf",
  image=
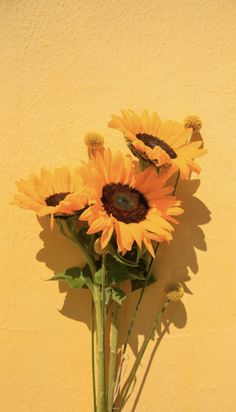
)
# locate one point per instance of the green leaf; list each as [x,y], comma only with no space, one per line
[75,283]
[70,272]
[124,261]
[98,277]
[118,295]
[132,257]
[117,272]
[75,277]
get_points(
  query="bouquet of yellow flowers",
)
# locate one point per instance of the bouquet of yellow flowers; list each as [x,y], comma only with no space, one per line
[118,208]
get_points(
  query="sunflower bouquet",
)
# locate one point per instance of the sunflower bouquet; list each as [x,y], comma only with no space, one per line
[118,209]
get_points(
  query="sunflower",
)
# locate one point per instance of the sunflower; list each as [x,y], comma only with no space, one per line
[136,205]
[48,193]
[157,142]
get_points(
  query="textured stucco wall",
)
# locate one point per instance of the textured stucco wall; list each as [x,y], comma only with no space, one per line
[65,66]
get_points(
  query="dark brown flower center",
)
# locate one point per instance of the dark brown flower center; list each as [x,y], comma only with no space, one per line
[54,200]
[152,142]
[123,202]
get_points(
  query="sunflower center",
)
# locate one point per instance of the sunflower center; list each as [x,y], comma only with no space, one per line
[152,142]
[123,202]
[54,200]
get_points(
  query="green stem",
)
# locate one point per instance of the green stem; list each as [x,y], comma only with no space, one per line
[101,403]
[140,355]
[134,316]
[112,358]
[99,301]
[93,358]
[104,317]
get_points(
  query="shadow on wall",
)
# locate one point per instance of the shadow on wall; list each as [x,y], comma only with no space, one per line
[174,262]
[59,253]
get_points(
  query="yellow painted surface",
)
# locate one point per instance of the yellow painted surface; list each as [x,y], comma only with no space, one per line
[65,66]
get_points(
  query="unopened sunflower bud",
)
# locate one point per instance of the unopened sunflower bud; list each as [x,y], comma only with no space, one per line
[97,246]
[174,291]
[193,122]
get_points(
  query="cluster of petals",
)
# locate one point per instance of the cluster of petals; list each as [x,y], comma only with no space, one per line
[162,206]
[160,143]
[52,192]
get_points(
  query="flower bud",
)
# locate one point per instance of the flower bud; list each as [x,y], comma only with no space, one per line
[97,246]
[94,140]
[95,143]
[193,122]
[174,291]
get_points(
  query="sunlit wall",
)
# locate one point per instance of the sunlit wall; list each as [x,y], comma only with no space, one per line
[65,67]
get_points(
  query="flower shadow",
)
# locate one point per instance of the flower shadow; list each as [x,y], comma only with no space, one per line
[176,261]
[59,253]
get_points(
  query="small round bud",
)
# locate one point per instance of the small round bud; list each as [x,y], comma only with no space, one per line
[94,140]
[193,122]
[174,291]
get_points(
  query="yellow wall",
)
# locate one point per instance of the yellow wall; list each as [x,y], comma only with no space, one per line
[65,66]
